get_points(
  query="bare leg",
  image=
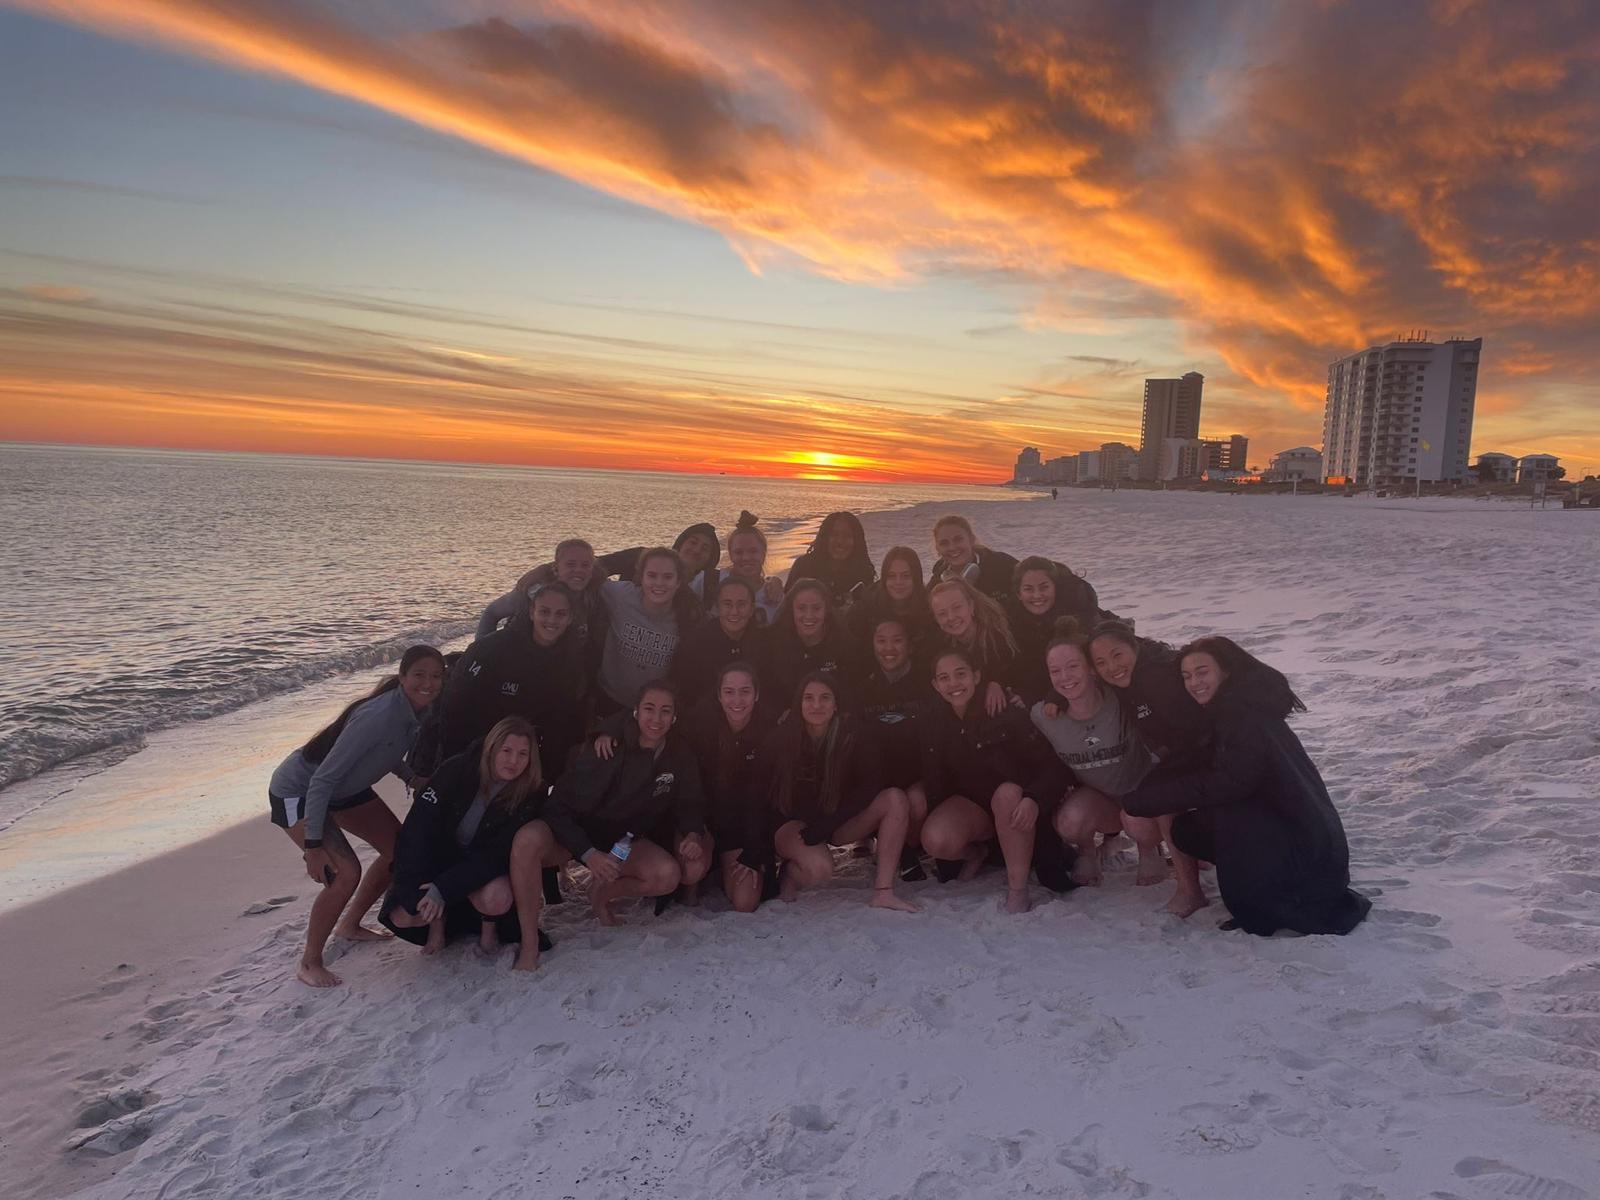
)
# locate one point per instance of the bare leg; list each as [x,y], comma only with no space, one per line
[889,816]
[494,899]
[532,850]
[803,866]
[1016,845]
[649,871]
[1146,834]
[1084,813]
[330,902]
[693,870]
[375,825]
[1189,897]
[959,829]
[744,891]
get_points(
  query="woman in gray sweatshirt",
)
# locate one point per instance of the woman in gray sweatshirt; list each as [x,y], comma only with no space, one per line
[324,790]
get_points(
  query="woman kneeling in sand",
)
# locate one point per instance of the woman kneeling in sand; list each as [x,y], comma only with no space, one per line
[612,811]
[982,772]
[454,853]
[1096,740]
[827,788]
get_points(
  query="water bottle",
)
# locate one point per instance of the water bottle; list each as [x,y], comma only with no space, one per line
[623,848]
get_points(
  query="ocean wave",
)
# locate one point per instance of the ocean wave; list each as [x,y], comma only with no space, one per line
[59,732]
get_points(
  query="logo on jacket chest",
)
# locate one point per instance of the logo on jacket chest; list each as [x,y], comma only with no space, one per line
[1141,712]
[510,689]
[663,784]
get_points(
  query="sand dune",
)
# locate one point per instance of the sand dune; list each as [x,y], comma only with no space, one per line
[1092,1048]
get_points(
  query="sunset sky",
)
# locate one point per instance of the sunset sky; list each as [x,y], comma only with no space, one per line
[823,237]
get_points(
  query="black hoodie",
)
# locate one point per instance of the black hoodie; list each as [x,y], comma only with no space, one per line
[1264,814]
[426,850]
[992,578]
[636,791]
[508,674]
[973,755]
[790,660]
[1169,722]
[706,649]
[1075,597]
[892,708]
[860,779]
[733,779]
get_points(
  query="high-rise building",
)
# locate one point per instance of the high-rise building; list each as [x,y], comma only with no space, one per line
[1228,454]
[1118,461]
[1401,411]
[1030,466]
[1185,458]
[1171,410]
[1088,465]
[1062,470]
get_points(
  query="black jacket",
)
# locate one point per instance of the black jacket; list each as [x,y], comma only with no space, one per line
[842,579]
[892,710]
[1075,597]
[992,578]
[1169,722]
[860,780]
[508,674]
[872,606]
[707,649]
[978,752]
[791,660]
[1279,847]
[634,791]
[733,779]
[426,851]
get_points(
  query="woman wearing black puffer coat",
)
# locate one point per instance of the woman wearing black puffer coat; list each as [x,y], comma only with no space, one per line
[1259,810]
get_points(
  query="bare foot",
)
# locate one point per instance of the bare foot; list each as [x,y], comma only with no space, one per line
[603,912]
[527,958]
[1182,905]
[972,862]
[435,942]
[1152,870]
[489,938]
[317,976]
[1018,900]
[360,933]
[885,898]
[1086,871]
[788,888]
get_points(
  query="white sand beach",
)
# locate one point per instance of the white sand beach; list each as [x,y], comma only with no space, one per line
[157,1044]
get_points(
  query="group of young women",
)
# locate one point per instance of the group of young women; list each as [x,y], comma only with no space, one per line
[664,719]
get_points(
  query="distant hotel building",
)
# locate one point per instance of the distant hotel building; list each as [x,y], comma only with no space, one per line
[1538,468]
[1401,411]
[1500,468]
[1030,467]
[1171,410]
[1118,461]
[1302,462]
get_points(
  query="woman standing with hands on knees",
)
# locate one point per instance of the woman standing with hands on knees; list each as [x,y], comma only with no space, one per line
[617,813]
[1259,809]
[454,851]
[324,790]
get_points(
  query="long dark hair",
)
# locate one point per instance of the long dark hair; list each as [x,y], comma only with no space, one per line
[859,563]
[322,741]
[1247,676]
[789,750]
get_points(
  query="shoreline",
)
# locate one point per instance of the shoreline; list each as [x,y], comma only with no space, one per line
[1092,1046]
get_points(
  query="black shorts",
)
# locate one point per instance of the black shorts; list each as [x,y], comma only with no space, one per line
[287,812]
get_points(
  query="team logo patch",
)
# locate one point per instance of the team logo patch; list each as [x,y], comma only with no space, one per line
[509,689]
[664,783]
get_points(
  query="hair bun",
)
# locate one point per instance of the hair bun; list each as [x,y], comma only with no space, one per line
[747,520]
[1067,627]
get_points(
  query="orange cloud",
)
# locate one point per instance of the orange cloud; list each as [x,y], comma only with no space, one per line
[1288,183]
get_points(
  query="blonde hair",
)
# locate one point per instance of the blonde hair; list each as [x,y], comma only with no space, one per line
[993,641]
[516,791]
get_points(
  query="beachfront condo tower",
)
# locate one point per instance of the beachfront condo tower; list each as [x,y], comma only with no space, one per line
[1401,412]
[1171,410]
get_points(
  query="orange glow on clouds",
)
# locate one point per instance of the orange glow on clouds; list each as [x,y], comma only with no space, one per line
[1326,187]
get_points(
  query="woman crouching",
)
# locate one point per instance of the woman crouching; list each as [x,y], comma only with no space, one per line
[1259,810]
[453,857]
[826,790]
[630,792]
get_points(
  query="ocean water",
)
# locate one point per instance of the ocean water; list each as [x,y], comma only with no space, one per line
[140,590]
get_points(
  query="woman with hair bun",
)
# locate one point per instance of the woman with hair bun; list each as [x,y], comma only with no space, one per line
[837,558]
[1259,809]
[323,790]
[454,852]
[747,560]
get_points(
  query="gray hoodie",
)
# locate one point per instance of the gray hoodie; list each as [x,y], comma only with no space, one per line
[372,744]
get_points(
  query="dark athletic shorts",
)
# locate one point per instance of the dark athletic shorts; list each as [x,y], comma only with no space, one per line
[288,812]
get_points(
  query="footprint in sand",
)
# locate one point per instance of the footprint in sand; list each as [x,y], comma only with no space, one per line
[1491,1178]
[265,906]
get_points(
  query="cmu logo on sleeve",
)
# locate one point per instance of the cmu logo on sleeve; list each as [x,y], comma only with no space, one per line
[663,783]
